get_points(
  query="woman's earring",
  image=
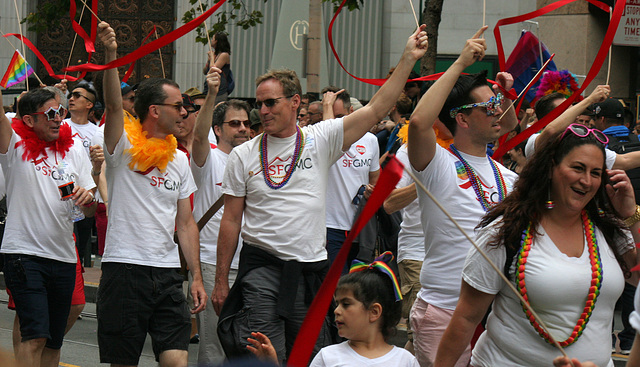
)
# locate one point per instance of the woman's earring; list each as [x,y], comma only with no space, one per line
[549,204]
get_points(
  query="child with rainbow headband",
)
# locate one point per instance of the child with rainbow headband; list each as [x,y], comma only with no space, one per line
[368,310]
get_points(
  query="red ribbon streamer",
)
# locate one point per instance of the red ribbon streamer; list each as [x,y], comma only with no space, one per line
[151,46]
[306,339]
[593,71]
[44,61]
[128,73]
[88,41]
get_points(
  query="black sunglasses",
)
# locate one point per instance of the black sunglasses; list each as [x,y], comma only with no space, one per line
[236,123]
[270,102]
[78,95]
[178,106]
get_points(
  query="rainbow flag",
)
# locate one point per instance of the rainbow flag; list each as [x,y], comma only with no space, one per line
[17,71]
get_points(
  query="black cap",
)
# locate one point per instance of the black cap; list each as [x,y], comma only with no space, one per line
[126,88]
[610,108]
[188,102]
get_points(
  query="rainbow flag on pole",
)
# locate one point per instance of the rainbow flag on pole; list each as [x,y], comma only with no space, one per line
[17,71]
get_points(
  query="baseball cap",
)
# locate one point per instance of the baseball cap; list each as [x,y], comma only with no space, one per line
[610,108]
[126,88]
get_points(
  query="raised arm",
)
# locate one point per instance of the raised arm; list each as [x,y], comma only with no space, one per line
[422,138]
[568,117]
[114,115]
[361,121]
[201,147]
[5,130]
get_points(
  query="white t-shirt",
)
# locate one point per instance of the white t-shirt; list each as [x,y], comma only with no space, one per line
[342,355]
[530,149]
[557,286]
[142,209]
[38,220]
[411,236]
[286,222]
[83,133]
[208,178]
[345,178]
[445,247]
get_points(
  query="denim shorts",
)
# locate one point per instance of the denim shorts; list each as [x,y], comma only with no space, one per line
[41,289]
[134,300]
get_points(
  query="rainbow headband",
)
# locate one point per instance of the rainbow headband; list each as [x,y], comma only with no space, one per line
[380,264]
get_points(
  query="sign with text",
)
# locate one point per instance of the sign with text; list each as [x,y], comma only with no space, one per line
[628,33]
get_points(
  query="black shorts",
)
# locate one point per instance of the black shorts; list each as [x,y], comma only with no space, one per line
[41,290]
[134,300]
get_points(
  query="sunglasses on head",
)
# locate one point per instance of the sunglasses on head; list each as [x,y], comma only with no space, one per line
[51,113]
[270,102]
[491,105]
[583,131]
[236,123]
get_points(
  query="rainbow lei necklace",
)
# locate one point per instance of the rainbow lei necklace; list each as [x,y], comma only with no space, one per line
[264,160]
[594,289]
[475,180]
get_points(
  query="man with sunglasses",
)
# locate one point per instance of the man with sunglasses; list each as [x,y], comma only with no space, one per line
[39,159]
[149,183]
[185,127]
[81,102]
[277,183]
[463,178]
[231,125]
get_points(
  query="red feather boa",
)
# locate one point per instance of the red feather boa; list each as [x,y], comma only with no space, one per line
[35,147]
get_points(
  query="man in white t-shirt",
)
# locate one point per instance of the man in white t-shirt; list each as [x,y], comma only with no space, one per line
[277,183]
[149,183]
[231,126]
[551,101]
[358,166]
[41,165]
[463,178]
[81,101]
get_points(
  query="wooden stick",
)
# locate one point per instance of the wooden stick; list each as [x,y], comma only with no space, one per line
[610,47]
[26,82]
[160,53]
[544,66]
[493,265]
[206,31]
[484,14]
[414,14]
[94,14]
[3,36]
[73,45]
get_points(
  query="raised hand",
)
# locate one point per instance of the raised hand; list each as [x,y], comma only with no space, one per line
[474,48]
[600,94]
[418,43]
[107,36]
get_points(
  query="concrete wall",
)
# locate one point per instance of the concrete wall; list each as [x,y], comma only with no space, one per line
[460,20]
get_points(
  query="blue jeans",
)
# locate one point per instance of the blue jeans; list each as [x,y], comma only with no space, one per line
[42,290]
[335,240]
